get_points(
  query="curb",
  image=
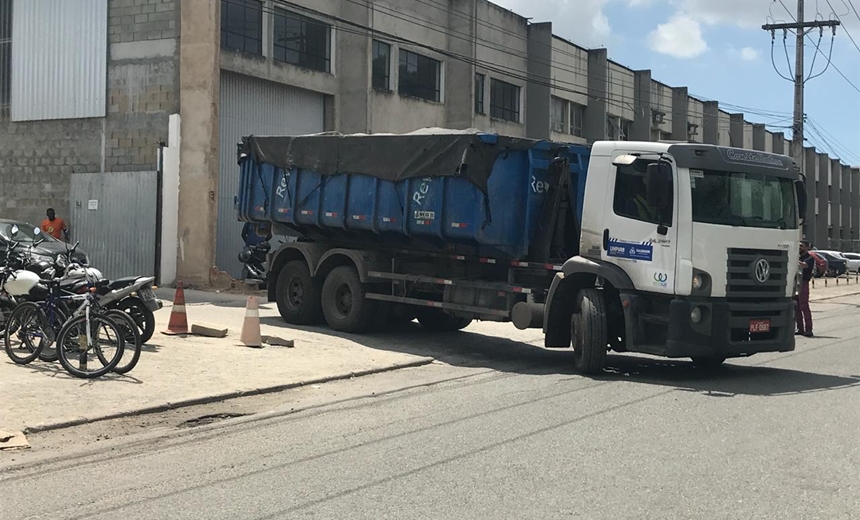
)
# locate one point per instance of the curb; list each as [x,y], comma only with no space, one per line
[825,298]
[225,396]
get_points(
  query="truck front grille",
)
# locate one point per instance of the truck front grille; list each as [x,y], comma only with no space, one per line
[741,281]
[751,298]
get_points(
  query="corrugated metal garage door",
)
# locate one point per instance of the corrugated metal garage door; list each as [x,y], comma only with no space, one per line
[113,216]
[253,106]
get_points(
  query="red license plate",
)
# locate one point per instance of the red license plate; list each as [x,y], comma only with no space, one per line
[759,326]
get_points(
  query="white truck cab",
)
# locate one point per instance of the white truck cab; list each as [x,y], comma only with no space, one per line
[690,250]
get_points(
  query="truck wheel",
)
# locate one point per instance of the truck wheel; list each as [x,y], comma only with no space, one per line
[436,320]
[298,295]
[344,304]
[708,361]
[588,332]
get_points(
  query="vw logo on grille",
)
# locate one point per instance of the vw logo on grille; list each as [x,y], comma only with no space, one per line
[762,270]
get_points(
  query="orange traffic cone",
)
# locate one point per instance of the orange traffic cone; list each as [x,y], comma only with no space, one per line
[251,327]
[178,323]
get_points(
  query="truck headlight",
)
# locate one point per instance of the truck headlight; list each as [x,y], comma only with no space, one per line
[698,281]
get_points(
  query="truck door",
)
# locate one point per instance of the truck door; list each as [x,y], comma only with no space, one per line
[636,237]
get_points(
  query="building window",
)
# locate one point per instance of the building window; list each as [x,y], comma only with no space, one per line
[625,130]
[381,65]
[420,76]
[480,83]
[577,119]
[302,41]
[558,115]
[611,129]
[242,26]
[5,55]
[504,101]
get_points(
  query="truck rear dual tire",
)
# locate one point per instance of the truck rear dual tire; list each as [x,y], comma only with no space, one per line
[344,301]
[298,295]
[588,332]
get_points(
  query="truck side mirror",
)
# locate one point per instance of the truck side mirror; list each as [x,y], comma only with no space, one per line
[658,180]
[800,188]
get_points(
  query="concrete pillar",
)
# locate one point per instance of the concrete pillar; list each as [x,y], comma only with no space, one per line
[779,143]
[816,207]
[459,74]
[759,135]
[641,127]
[598,87]
[736,130]
[538,90]
[680,113]
[855,208]
[845,205]
[821,164]
[711,122]
[835,169]
[199,86]
[353,62]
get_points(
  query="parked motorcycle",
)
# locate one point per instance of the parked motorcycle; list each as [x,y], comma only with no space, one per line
[254,264]
[133,295]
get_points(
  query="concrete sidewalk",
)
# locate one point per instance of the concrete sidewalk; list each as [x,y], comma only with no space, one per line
[174,371]
[829,288]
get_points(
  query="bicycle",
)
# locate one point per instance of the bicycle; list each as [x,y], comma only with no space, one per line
[88,333]
[32,327]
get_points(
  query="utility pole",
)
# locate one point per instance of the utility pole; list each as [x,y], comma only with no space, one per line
[801,28]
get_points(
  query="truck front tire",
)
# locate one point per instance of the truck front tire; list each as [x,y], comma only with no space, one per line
[588,332]
[298,294]
[344,304]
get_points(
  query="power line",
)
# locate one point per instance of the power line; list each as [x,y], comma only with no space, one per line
[817,50]
[854,9]
[844,28]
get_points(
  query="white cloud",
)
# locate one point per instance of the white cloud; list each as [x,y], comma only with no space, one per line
[581,21]
[680,37]
[749,54]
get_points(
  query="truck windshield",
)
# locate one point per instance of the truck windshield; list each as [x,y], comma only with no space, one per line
[743,199]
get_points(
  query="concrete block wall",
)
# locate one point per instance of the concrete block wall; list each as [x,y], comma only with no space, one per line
[36,161]
[141,20]
[37,158]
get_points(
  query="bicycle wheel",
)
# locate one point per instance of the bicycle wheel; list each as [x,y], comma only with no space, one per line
[56,318]
[82,344]
[23,335]
[131,337]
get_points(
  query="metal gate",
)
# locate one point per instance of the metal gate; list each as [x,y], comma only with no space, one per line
[251,106]
[113,215]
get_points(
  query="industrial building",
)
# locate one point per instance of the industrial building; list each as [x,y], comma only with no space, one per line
[147,99]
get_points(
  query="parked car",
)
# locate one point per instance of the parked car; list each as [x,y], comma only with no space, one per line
[853,262]
[43,244]
[836,264]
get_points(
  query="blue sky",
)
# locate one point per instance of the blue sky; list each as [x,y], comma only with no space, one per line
[718,49]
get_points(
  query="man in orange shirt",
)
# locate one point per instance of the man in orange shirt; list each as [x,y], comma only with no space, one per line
[55,226]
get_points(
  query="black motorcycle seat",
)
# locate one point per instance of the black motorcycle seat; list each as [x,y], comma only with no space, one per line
[119,283]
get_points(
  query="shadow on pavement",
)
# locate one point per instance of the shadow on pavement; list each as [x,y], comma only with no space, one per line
[472,349]
[728,380]
[57,370]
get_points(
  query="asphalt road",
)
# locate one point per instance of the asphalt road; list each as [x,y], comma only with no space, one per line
[513,433]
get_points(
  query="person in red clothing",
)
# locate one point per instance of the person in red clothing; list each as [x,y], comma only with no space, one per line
[55,226]
[803,315]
